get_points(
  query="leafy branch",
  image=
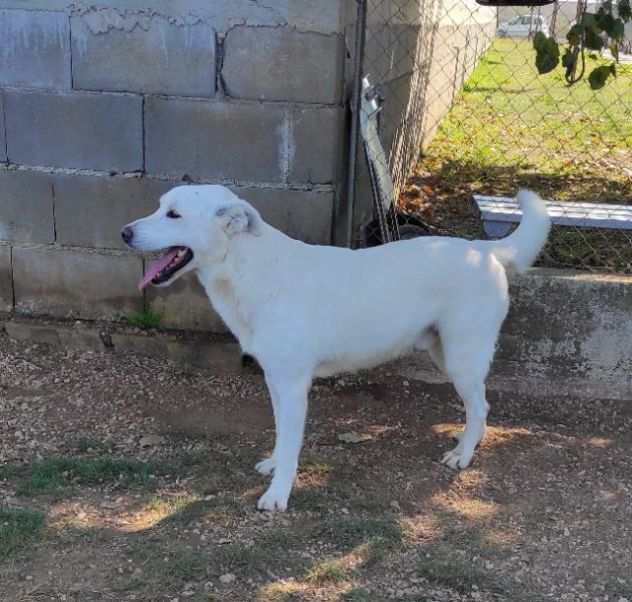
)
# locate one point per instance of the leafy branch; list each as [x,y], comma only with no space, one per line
[592,32]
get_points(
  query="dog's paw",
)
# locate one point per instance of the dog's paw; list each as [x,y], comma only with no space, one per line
[266,467]
[456,459]
[273,500]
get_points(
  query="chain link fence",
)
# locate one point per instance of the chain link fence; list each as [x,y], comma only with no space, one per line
[464,111]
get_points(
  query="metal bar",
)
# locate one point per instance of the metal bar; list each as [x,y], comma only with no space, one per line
[360,39]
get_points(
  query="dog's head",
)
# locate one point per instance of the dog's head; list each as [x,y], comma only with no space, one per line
[194,226]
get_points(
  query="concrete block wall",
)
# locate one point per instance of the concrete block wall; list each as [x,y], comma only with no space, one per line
[102,109]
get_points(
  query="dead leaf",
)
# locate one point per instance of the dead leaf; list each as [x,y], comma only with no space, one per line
[354,437]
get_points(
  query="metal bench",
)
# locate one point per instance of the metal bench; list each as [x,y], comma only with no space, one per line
[500,213]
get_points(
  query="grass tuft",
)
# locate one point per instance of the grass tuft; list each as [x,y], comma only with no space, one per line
[18,528]
[327,571]
[349,532]
[54,474]
[445,567]
[144,319]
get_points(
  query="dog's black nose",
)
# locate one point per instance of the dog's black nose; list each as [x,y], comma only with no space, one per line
[127,234]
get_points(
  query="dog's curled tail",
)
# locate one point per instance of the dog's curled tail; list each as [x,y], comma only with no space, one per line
[519,250]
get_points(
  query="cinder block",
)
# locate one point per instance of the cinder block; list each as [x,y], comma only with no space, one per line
[184,305]
[73,283]
[316,145]
[323,17]
[6,279]
[161,57]
[91,210]
[210,140]
[35,49]
[26,206]
[80,130]
[393,48]
[302,214]
[266,63]
[3,140]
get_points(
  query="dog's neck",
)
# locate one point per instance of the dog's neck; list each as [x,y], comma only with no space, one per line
[238,286]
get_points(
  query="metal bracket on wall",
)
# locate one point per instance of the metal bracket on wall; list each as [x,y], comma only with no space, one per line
[381,181]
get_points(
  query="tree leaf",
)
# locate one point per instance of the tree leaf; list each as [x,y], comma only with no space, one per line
[593,40]
[604,20]
[617,31]
[574,34]
[539,41]
[624,8]
[599,76]
[547,53]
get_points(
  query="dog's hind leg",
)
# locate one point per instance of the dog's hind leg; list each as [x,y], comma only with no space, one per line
[467,364]
[291,415]
[430,341]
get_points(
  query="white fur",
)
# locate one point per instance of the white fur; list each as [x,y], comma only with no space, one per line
[306,311]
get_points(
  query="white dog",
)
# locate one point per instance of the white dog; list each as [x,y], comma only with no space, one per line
[306,311]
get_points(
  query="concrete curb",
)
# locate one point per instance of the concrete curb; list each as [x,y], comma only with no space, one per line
[201,350]
[567,334]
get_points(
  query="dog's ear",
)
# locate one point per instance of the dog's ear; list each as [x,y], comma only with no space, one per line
[237,219]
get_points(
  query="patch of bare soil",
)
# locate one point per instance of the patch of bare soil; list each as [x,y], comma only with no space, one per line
[544,512]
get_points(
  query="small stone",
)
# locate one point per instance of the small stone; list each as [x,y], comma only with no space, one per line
[227,578]
[395,505]
[151,440]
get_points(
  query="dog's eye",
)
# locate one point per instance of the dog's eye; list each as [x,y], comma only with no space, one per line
[173,214]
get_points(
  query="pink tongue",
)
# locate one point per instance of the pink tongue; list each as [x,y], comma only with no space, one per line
[154,268]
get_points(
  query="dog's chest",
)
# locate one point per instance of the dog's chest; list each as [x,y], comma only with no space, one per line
[226,303]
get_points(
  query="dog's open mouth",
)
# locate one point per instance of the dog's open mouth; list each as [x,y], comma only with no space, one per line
[164,268]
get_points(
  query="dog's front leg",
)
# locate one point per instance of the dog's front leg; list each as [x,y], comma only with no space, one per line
[267,465]
[291,414]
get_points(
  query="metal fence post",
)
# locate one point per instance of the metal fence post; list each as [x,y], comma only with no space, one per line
[360,39]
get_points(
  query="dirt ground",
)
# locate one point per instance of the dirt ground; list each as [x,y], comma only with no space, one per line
[123,478]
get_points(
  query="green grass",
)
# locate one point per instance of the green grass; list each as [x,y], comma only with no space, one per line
[18,528]
[88,445]
[444,565]
[54,474]
[167,564]
[358,594]
[327,571]
[164,566]
[510,116]
[144,319]
[350,532]
[511,127]
[451,571]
